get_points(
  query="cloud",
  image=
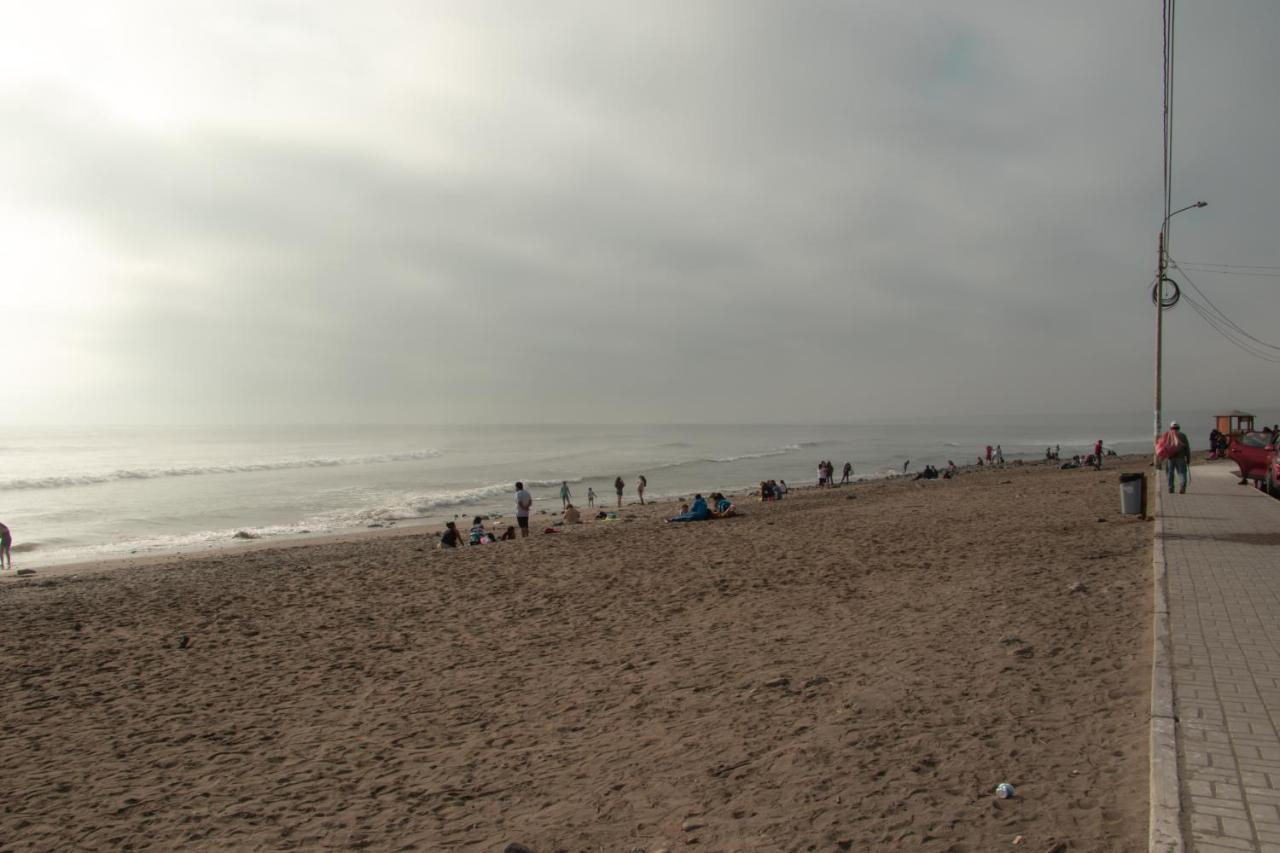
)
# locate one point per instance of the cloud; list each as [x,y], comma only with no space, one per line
[719,211]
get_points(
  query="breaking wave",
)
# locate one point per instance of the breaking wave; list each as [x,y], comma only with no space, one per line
[66,480]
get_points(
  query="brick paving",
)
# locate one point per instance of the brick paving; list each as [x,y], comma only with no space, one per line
[1222,557]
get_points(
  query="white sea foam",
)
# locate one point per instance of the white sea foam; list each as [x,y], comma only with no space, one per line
[764,454]
[65,480]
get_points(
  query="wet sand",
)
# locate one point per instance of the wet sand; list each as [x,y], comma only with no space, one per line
[854,668]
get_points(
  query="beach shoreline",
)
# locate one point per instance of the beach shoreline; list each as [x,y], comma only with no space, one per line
[428,526]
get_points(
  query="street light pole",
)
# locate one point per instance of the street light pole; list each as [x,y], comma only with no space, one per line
[1158,297]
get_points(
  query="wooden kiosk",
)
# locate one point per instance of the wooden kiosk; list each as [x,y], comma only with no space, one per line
[1234,423]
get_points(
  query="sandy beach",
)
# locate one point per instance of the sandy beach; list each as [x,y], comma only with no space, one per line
[854,668]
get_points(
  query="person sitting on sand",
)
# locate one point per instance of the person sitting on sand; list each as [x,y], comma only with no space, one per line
[766,492]
[479,535]
[571,515]
[698,512]
[509,534]
[451,538]
[723,506]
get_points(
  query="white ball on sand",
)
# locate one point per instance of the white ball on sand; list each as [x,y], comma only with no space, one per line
[1004,791]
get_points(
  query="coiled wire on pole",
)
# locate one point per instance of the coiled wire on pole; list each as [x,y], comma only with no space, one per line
[1158,294]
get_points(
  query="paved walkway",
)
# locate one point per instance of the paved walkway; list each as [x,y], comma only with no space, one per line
[1222,558]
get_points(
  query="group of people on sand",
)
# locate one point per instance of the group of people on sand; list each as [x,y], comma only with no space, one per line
[773,490]
[827,473]
[452,537]
[718,507]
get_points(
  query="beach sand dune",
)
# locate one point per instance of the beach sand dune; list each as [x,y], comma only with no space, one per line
[823,673]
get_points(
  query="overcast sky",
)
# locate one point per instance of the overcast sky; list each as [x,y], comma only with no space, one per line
[597,211]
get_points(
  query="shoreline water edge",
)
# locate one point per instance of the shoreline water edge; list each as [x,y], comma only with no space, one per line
[84,495]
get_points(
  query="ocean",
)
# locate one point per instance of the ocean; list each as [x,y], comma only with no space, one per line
[72,494]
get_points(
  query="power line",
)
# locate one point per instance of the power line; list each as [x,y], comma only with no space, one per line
[1228,266]
[1231,272]
[1248,348]
[1224,325]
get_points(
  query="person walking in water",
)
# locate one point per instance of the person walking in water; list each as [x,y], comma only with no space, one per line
[591,496]
[640,486]
[6,539]
[564,494]
[524,502]
[618,486]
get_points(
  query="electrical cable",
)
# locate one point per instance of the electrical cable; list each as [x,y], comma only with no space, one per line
[1224,325]
[1231,272]
[1215,323]
[1228,266]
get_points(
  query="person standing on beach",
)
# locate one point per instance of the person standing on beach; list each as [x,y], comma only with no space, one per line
[1097,454]
[640,486]
[618,486]
[999,455]
[6,539]
[848,469]
[1179,456]
[591,496]
[907,464]
[524,502]
[564,494]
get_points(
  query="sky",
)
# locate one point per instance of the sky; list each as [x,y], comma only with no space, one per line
[603,212]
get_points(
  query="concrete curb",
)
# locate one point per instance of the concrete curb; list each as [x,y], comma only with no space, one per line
[1165,819]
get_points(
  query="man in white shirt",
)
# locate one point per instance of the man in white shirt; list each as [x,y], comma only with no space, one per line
[524,501]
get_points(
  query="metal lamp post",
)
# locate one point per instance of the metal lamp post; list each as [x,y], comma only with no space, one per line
[1159,298]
